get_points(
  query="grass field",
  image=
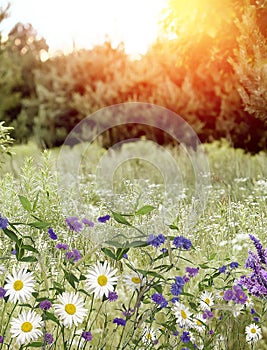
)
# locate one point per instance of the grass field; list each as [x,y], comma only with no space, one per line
[215,211]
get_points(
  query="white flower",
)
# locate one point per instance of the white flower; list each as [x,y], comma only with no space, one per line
[183,314]
[19,285]
[134,281]
[236,308]
[149,336]
[253,333]
[101,279]
[25,327]
[71,309]
[198,323]
[206,300]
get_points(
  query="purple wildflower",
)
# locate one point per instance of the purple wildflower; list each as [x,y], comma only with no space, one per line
[49,338]
[128,313]
[259,248]
[192,271]
[234,265]
[222,269]
[177,287]
[207,314]
[73,255]
[1,339]
[45,305]
[239,296]
[159,299]
[3,222]
[52,234]
[62,246]
[88,222]
[112,296]
[86,335]
[119,321]
[103,219]
[252,311]
[182,242]
[2,292]
[256,319]
[14,252]
[185,337]
[228,295]
[156,241]
[73,223]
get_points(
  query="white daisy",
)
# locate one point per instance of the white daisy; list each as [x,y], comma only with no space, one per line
[198,323]
[25,327]
[149,336]
[101,279]
[19,285]
[253,333]
[183,314]
[134,281]
[71,309]
[206,300]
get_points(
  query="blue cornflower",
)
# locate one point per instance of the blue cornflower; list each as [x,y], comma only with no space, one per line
[103,219]
[73,223]
[256,319]
[182,242]
[156,241]
[177,287]
[86,335]
[112,296]
[49,338]
[159,299]
[222,269]
[52,234]
[119,321]
[14,252]
[234,265]
[185,337]
[45,305]
[252,311]
[3,222]
[2,292]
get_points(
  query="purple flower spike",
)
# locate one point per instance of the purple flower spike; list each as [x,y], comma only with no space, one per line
[73,223]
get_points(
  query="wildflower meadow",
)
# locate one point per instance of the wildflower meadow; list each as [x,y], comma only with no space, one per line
[69,282]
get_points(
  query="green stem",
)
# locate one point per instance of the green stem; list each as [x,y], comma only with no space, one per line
[7,324]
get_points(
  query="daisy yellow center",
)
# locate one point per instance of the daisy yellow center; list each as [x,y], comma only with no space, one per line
[70,309]
[26,327]
[136,280]
[102,280]
[253,330]
[18,285]
[198,323]
[207,301]
[149,336]
[183,314]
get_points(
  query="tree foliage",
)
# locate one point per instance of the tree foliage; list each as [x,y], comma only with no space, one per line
[208,66]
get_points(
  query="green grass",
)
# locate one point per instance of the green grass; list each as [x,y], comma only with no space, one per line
[235,195]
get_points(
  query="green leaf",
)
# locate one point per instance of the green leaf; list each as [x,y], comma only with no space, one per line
[30,248]
[71,278]
[120,219]
[39,224]
[36,344]
[50,316]
[11,235]
[25,203]
[120,252]
[29,258]
[109,253]
[144,210]
[35,201]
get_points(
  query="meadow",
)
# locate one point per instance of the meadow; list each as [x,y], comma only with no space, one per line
[132,266]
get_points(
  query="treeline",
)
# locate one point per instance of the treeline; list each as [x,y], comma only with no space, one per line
[216,79]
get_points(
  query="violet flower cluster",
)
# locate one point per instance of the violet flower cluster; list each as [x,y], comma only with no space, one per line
[256,282]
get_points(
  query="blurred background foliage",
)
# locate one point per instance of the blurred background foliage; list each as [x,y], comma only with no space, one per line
[209,65]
